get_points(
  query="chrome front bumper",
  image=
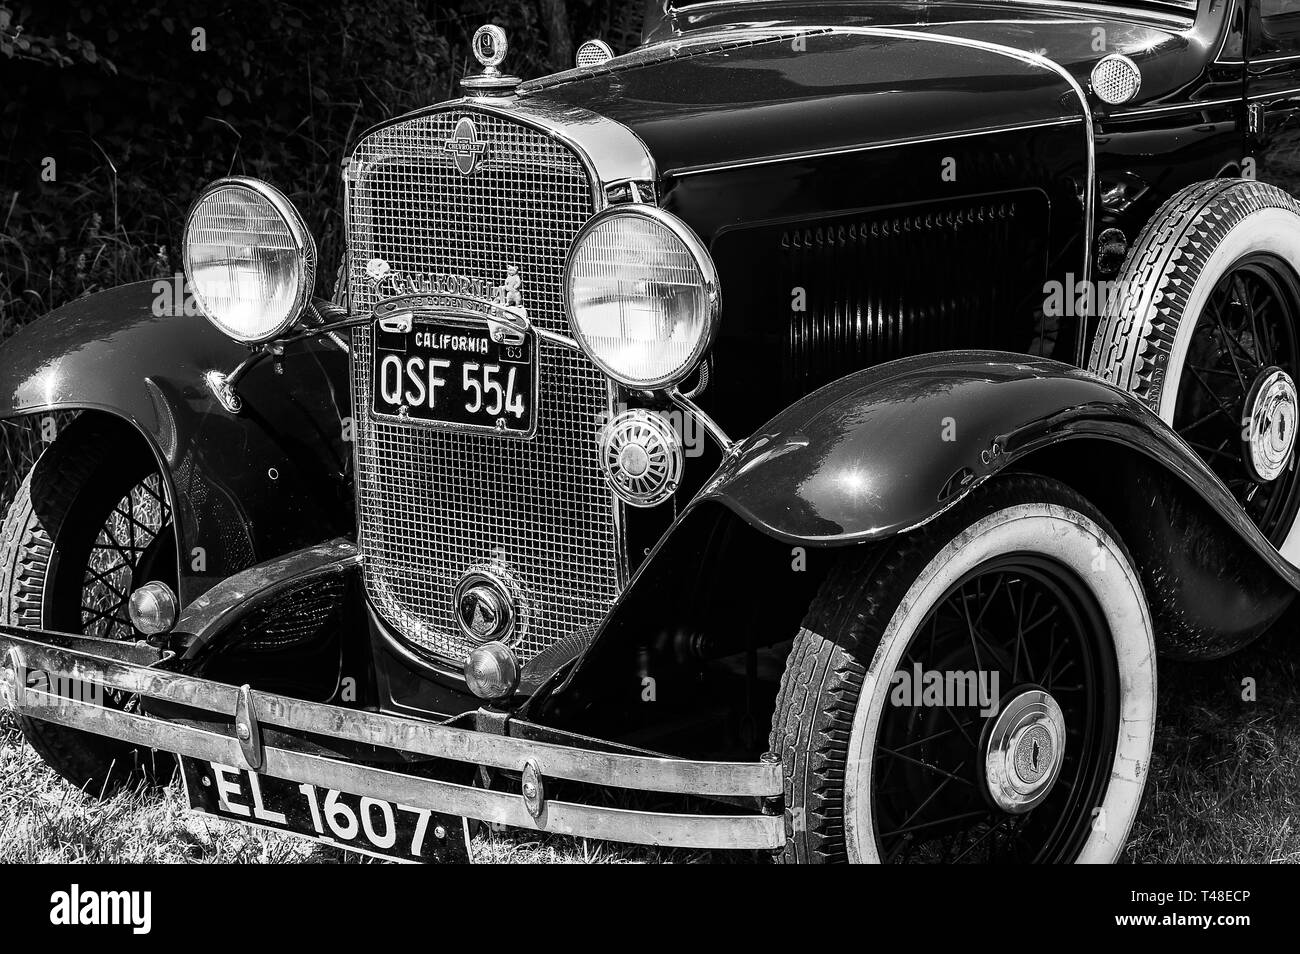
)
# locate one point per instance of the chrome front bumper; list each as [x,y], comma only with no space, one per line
[133,668]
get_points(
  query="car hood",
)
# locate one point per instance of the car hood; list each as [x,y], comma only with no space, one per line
[728,93]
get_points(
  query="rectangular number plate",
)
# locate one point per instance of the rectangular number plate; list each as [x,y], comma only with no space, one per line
[450,373]
[367,825]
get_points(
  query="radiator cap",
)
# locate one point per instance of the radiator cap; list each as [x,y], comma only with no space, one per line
[490,47]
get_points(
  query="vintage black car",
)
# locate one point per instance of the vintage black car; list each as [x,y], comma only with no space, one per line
[800,434]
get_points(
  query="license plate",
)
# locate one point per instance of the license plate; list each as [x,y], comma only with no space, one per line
[451,373]
[368,825]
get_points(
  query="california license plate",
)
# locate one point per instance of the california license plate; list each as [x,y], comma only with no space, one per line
[452,373]
[368,825]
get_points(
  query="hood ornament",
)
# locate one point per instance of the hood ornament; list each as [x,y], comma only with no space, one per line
[490,47]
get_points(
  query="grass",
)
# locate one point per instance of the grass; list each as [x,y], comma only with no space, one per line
[1225,775]
[45,820]
[1223,789]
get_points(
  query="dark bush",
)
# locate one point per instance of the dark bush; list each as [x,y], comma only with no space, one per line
[115,114]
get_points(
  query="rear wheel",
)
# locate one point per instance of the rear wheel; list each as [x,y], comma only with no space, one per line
[1205,328]
[88,526]
[980,690]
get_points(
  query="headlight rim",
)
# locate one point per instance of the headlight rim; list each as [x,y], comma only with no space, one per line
[708,273]
[305,248]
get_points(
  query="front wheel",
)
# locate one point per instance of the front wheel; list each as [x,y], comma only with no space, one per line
[88,526]
[980,690]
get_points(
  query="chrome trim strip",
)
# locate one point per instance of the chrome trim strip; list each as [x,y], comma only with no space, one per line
[1138,13]
[1185,19]
[565,818]
[1185,107]
[648,773]
[1279,58]
[849,150]
[1194,106]
[662,51]
[620,518]
[1273,94]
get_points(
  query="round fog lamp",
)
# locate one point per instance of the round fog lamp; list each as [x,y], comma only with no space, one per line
[153,609]
[491,671]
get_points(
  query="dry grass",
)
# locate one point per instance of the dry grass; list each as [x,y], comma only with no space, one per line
[44,820]
[1225,779]
[1225,787]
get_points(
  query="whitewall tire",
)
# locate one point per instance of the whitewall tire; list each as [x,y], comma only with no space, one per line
[1053,772]
[1203,325]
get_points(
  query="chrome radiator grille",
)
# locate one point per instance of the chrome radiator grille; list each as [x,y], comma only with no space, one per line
[432,504]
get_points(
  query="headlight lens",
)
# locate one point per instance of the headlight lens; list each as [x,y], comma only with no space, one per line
[642,295]
[249,259]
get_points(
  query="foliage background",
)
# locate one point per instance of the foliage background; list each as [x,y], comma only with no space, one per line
[133,105]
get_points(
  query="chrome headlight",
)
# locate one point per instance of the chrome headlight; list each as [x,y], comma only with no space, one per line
[249,259]
[642,295]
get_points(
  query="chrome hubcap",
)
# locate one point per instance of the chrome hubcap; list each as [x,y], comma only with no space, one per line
[1023,754]
[1270,425]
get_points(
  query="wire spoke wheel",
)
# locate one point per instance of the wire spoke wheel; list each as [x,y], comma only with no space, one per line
[1014,626]
[121,550]
[1246,334]
[1203,331]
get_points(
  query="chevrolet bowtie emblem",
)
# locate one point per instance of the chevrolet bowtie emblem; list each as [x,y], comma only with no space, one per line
[466,149]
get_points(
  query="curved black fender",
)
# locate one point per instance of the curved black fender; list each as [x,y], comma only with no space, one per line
[888,449]
[243,487]
[885,450]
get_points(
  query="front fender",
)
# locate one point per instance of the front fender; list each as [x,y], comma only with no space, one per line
[243,487]
[888,449]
